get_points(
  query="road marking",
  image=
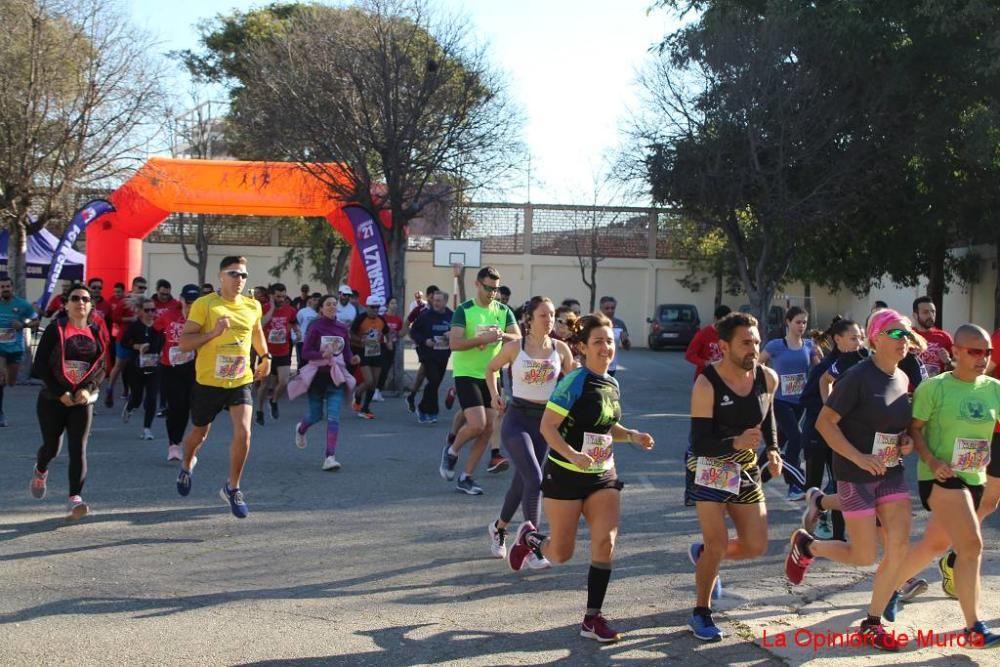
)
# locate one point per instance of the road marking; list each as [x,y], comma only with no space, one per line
[672,415]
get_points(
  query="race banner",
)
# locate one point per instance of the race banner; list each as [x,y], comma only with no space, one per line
[83,217]
[371,248]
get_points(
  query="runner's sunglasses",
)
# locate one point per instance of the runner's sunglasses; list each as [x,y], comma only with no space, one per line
[238,274]
[900,334]
[976,352]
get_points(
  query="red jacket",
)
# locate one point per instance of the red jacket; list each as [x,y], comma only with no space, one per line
[704,349]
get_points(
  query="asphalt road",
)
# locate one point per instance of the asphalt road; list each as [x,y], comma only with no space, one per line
[384,563]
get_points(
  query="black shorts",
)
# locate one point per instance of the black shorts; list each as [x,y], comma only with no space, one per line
[374,362]
[280,362]
[559,483]
[993,468]
[472,393]
[927,485]
[207,402]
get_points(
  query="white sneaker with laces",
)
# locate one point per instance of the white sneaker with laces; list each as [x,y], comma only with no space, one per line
[377,397]
[331,464]
[498,540]
[146,434]
[533,562]
[300,438]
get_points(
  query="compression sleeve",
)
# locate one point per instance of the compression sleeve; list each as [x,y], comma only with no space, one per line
[770,429]
[706,441]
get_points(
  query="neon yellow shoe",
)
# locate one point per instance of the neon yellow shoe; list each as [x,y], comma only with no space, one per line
[947,576]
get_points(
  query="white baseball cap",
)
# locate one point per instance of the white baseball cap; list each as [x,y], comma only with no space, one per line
[374,301]
[345,289]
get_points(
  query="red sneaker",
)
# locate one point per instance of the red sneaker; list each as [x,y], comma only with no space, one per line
[596,627]
[367,415]
[519,552]
[497,464]
[797,562]
[449,398]
[875,634]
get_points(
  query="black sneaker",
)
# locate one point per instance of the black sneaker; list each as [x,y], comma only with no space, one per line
[411,402]
[274,409]
[469,486]
[260,417]
[448,463]
[876,635]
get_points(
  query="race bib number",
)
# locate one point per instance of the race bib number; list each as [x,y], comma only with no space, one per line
[970,455]
[75,371]
[886,447]
[441,343]
[230,367]
[598,446]
[331,344]
[485,328]
[277,336]
[793,384]
[177,357]
[372,348]
[715,474]
[7,335]
[148,360]
[537,372]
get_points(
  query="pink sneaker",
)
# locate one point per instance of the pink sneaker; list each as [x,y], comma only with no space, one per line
[77,509]
[520,550]
[174,453]
[37,485]
[596,627]
[797,562]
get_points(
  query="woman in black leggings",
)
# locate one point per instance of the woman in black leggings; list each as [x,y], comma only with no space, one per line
[71,361]
[144,344]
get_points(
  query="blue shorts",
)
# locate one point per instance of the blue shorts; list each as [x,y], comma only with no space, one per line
[12,358]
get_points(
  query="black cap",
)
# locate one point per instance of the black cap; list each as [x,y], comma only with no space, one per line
[190,293]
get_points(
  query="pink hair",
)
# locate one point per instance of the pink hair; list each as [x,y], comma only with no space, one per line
[880,319]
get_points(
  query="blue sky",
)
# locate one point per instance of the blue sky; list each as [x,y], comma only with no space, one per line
[570,65]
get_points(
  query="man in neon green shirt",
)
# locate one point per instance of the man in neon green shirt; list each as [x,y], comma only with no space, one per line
[954,414]
[479,328]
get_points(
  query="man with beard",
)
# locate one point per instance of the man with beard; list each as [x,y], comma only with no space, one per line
[937,356]
[15,315]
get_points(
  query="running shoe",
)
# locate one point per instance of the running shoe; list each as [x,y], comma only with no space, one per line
[947,576]
[911,589]
[448,463]
[274,409]
[377,397]
[77,509]
[174,453]
[797,562]
[518,552]
[300,437]
[422,418]
[596,627]
[795,493]
[367,414]
[824,529]
[449,398]
[3,420]
[146,434]
[980,636]
[184,480]
[694,553]
[892,608]
[703,627]
[235,499]
[411,402]
[536,562]
[469,487]
[37,485]
[811,514]
[330,463]
[498,540]
[497,464]
[432,419]
[876,635]
[260,418]
[126,414]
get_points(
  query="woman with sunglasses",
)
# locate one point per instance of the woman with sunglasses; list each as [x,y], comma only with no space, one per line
[954,414]
[144,344]
[864,422]
[71,363]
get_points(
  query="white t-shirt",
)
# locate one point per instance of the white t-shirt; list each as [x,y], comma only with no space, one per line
[304,318]
[346,314]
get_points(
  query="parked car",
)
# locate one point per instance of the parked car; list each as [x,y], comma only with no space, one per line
[673,324]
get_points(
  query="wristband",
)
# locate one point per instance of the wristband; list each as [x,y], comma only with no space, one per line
[267,356]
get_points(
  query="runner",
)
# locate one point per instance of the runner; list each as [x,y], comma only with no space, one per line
[791,357]
[622,342]
[302,300]
[222,328]
[325,377]
[395,324]
[163,300]
[417,307]
[565,323]
[280,324]
[864,423]
[124,313]
[144,344]
[430,337]
[346,312]
[954,416]
[503,295]
[937,356]
[70,363]
[580,424]
[59,301]
[304,317]
[480,326]
[207,288]
[573,305]
[704,347]
[536,363]
[368,334]
[177,371]
[15,315]
[731,411]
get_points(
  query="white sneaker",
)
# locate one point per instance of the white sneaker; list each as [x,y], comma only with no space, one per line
[535,563]
[77,509]
[174,453]
[146,434]
[498,540]
[331,464]
[126,414]
[377,397]
[300,438]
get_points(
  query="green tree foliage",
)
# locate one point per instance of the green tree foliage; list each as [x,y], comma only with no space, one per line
[318,244]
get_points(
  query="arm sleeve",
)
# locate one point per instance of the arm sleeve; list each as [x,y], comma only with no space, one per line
[40,367]
[707,441]
[770,429]
[566,393]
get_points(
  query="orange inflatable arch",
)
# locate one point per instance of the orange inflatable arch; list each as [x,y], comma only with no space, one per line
[220,187]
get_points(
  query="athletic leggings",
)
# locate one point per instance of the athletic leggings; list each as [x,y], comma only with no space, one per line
[54,418]
[526,447]
[144,386]
[333,397]
[177,382]
[819,458]
[434,372]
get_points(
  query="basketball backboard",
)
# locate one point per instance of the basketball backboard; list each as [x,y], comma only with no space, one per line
[448,252]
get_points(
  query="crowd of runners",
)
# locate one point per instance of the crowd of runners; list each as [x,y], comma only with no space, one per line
[833,414]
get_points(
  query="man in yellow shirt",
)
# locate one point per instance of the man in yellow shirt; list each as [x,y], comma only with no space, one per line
[222,327]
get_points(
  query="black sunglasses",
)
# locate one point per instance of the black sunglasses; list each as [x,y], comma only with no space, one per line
[79,298]
[491,290]
[149,310]
[243,275]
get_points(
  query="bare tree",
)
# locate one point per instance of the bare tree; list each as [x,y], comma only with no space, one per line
[322,247]
[77,88]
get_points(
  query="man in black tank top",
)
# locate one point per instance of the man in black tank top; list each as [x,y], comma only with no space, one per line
[731,412]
